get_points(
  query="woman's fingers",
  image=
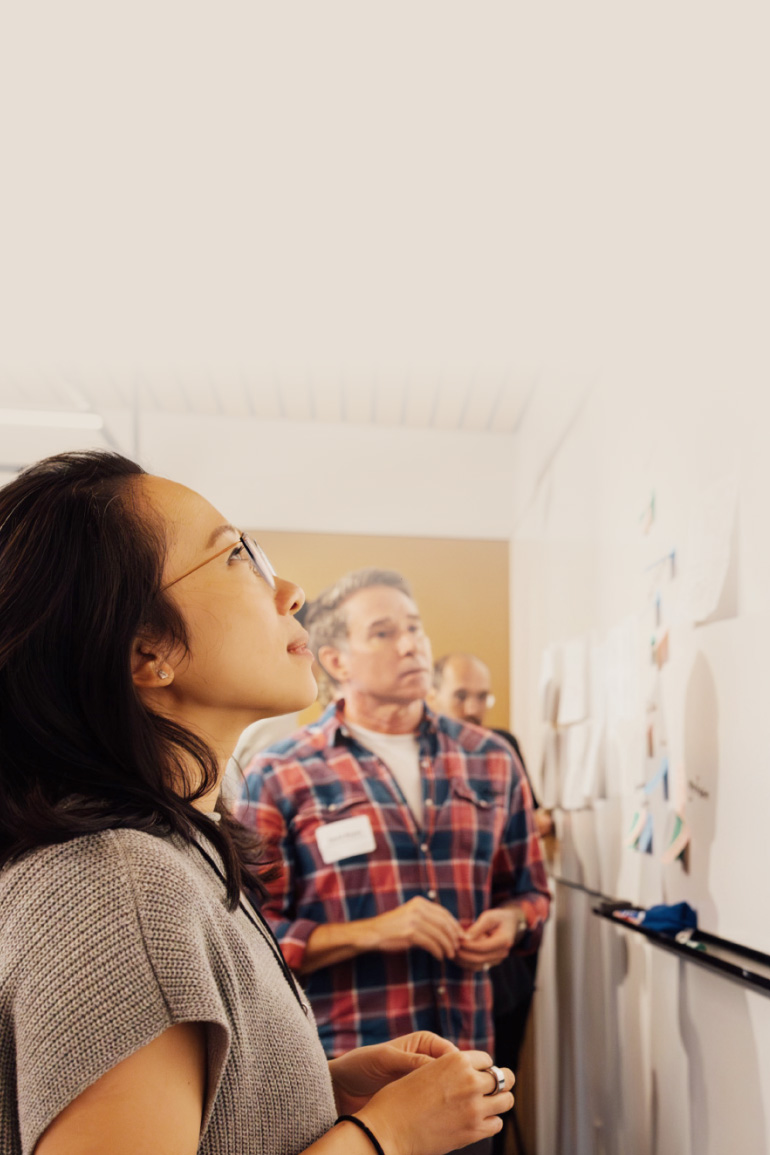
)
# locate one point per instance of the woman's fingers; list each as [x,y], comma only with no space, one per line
[450,1102]
[497,1099]
[425,1043]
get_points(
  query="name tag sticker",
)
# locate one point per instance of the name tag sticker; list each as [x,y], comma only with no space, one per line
[345,838]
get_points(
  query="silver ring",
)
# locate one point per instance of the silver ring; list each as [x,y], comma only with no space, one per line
[499,1076]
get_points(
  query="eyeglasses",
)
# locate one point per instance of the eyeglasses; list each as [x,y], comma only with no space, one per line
[256,555]
[483,699]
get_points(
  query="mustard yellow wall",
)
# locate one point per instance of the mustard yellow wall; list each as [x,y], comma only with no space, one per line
[460,586]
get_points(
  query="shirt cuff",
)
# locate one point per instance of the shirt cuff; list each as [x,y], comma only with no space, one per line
[293,937]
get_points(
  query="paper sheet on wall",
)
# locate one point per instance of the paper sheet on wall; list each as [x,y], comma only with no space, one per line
[573,696]
[677,838]
[549,771]
[575,742]
[550,665]
[623,683]
[708,550]
[594,782]
[625,757]
[597,680]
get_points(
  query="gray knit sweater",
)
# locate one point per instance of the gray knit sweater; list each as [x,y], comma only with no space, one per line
[107,940]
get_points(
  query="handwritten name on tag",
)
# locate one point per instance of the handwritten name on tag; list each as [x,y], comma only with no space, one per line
[343,839]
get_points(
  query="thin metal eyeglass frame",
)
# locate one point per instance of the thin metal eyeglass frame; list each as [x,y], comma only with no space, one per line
[256,555]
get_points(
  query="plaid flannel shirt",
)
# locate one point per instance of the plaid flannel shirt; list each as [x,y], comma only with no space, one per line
[477,848]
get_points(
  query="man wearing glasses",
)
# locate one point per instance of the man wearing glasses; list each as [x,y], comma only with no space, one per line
[409,854]
[462,689]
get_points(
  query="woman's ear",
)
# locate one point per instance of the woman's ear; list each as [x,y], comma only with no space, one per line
[149,670]
[333,662]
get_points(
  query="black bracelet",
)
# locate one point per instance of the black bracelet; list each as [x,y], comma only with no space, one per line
[359,1123]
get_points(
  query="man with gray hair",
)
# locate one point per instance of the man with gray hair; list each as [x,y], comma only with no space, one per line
[410,861]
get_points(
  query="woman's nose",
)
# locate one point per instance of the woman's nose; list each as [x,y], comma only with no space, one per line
[288,597]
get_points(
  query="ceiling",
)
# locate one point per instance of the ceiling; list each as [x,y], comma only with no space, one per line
[493,403]
[405,215]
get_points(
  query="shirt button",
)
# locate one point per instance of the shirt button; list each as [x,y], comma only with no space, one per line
[432,895]
[441,990]
[428,801]
[424,847]
[333,806]
[425,763]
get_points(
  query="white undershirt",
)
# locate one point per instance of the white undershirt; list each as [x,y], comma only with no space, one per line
[401,755]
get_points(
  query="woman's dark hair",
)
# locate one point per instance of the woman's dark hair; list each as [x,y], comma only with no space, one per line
[80,578]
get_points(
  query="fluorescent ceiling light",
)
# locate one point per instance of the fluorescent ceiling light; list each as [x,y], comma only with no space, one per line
[51,419]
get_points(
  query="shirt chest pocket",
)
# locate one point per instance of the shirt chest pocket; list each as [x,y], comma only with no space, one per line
[476,815]
[335,828]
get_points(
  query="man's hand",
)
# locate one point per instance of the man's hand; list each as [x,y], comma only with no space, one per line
[359,1074]
[490,938]
[418,922]
[544,822]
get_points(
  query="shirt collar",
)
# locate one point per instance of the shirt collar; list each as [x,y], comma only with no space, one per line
[333,724]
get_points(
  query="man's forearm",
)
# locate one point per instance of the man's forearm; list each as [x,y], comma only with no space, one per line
[335,942]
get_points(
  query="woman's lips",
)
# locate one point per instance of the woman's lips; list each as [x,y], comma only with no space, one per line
[300,649]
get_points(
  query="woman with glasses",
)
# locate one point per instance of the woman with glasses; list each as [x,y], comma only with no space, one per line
[144,1004]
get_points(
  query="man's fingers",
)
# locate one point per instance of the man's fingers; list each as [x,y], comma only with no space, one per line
[477,961]
[438,944]
[423,923]
[487,922]
[483,951]
[439,914]
[441,925]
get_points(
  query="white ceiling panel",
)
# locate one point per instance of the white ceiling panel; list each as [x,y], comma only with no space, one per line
[166,394]
[421,404]
[510,405]
[234,397]
[358,402]
[483,398]
[265,397]
[451,404]
[200,394]
[296,400]
[389,402]
[480,403]
[327,401]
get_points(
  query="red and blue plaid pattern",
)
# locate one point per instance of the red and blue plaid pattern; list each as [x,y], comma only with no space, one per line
[478,848]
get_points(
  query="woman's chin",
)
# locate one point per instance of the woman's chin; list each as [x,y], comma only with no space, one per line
[303,697]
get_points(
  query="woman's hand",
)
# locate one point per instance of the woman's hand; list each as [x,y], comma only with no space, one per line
[444,1104]
[359,1074]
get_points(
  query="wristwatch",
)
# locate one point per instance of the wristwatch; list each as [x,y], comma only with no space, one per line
[521,926]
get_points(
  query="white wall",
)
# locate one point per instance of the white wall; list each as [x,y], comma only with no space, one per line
[641,1053]
[317,477]
[339,478]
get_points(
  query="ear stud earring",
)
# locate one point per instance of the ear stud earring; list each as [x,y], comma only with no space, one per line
[163,674]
